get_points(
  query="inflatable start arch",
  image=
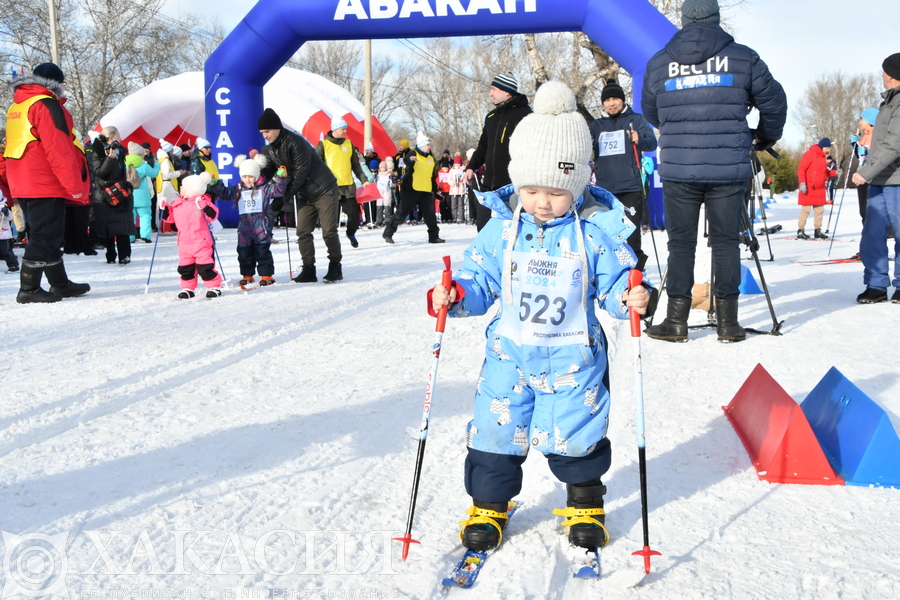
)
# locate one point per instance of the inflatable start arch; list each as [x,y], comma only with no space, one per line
[631,31]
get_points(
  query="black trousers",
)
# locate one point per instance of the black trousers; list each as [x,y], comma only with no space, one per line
[350,207]
[498,477]
[409,200]
[7,255]
[122,243]
[255,257]
[46,219]
[76,232]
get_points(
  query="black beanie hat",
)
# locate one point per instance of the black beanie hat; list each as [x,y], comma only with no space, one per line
[185,148]
[269,120]
[612,90]
[891,65]
[48,70]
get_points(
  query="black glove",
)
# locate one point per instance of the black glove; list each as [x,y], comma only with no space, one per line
[278,204]
[762,145]
[164,214]
[210,212]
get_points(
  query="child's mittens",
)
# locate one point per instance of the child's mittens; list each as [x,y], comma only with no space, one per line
[281,172]
[164,215]
[209,211]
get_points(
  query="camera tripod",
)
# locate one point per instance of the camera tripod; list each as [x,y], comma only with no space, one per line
[749,239]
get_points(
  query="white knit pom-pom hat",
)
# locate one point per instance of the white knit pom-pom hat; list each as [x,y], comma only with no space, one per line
[551,147]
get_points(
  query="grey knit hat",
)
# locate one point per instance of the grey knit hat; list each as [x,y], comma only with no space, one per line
[551,147]
[701,11]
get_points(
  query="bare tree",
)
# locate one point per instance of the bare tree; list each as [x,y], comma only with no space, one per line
[341,63]
[831,107]
[586,66]
[107,48]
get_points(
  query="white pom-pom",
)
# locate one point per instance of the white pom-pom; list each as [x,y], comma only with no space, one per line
[261,160]
[239,159]
[554,98]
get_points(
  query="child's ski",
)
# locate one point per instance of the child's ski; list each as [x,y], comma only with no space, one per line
[588,567]
[469,566]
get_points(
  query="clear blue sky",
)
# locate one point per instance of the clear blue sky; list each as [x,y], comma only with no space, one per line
[800,40]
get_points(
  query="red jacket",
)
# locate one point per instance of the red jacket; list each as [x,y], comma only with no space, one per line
[4,183]
[52,166]
[814,173]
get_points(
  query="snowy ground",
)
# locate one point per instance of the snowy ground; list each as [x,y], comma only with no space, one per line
[195,448]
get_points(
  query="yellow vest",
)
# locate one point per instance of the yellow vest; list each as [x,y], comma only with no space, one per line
[209,166]
[423,172]
[337,157]
[18,128]
[160,182]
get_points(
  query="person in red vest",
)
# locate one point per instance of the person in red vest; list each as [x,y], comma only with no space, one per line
[46,167]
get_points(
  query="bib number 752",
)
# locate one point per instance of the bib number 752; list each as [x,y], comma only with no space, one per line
[540,304]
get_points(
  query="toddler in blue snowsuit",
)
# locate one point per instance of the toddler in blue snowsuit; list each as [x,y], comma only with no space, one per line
[554,246]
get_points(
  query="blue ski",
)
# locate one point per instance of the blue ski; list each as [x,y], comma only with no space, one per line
[467,569]
[590,566]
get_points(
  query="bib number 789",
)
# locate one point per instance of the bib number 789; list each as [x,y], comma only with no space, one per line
[540,304]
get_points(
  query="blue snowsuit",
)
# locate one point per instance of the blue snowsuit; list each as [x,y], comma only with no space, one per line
[550,395]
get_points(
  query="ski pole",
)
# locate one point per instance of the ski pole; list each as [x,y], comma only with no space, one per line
[287,239]
[646,204]
[634,280]
[841,203]
[446,281]
[215,250]
[829,192]
[153,257]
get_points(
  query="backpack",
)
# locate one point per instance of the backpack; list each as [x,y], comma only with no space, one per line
[132,177]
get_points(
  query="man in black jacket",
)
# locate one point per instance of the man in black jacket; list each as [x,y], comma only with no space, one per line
[510,107]
[311,193]
[618,139]
[698,91]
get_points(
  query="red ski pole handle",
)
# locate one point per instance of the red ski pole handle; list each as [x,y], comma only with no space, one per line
[635,278]
[447,282]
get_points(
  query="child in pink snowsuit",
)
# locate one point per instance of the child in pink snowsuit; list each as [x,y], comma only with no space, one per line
[192,212]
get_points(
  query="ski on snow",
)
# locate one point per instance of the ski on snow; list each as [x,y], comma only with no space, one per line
[589,566]
[469,566]
[832,261]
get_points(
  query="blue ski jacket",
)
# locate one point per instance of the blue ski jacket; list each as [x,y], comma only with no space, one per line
[550,397]
[698,91]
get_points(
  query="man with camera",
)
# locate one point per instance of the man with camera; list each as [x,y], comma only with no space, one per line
[46,168]
[697,91]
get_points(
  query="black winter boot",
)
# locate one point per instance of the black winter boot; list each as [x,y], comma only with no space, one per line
[801,235]
[483,531]
[674,327]
[819,235]
[30,285]
[60,283]
[307,275]
[727,325]
[586,518]
[334,273]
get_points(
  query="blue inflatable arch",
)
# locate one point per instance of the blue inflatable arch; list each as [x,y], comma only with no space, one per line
[630,31]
